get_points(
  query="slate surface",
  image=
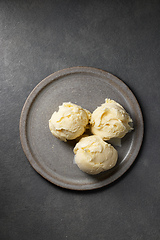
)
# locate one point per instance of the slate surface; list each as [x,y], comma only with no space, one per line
[40,37]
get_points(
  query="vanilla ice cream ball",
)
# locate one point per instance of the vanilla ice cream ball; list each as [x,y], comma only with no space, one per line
[69,122]
[93,155]
[110,120]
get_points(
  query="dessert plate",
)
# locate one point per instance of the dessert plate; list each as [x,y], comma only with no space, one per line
[54,159]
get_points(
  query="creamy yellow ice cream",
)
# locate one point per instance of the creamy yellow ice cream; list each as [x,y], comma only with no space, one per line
[69,122]
[93,155]
[110,120]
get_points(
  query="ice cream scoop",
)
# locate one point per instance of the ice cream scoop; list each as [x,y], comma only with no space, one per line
[93,155]
[69,122]
[110,120]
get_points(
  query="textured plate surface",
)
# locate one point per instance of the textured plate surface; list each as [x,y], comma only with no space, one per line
[87,87]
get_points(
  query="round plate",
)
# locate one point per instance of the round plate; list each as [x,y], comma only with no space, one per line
[52,158]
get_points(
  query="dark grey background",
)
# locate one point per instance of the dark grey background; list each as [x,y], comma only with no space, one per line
[40,37]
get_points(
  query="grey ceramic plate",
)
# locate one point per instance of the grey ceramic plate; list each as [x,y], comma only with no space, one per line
[52,158]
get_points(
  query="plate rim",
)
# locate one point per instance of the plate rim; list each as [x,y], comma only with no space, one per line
[23,123]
